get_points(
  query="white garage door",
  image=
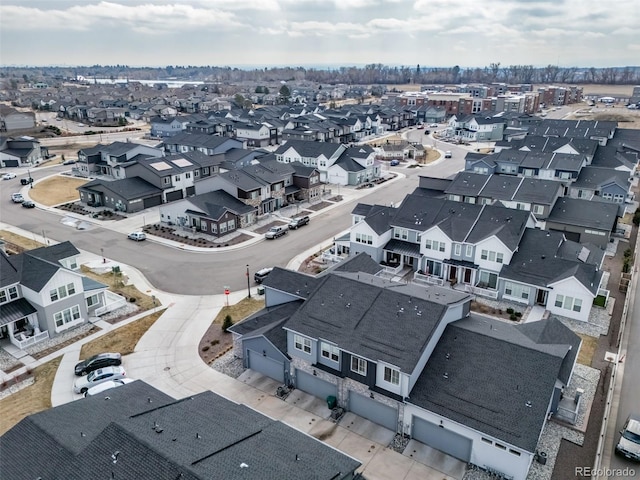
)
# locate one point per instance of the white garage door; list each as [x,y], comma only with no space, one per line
[441,439]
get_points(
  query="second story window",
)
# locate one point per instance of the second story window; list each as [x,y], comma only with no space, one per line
[330,352]
[401,233]
[457,249]
[301,343]
[359,365]
[469,251]
[62,292]
[391,375]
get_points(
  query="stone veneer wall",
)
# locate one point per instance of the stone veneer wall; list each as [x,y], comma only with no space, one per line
[345,385]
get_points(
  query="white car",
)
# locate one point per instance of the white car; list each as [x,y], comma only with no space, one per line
[137,236]
[8,176]
[107,386]
[433,125]
[97,377]
[17,198]
[81,124]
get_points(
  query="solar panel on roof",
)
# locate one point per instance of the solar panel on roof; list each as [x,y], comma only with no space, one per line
[160,166]
[181,162]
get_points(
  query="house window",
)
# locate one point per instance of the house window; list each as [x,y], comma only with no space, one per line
[362,238]
[3,296]
[187,175]
[487,279]
[401,233]
[13,293]
[231,224]
[92,300]
[330,352]
[53,294]
[516,290]
[166,180]
[67,316]
[359,365]
[203,226]
[434,245]
[568,303]
[486,440]
[301,343]
[457,249]
[500,446]
[177,178]
[391,375]
[469,251]
[538,209]
[434,268]
[71,289]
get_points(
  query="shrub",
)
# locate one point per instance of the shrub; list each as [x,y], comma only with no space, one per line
[513,317]
[132,299]
[627,253]
[215,342]
[626,266]
[636,217]
[518,314]
[205,348]
[510,310]
[226,323]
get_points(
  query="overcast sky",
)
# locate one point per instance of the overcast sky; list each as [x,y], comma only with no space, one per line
[320,32]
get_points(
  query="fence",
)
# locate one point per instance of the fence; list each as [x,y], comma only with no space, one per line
[28,341]
[113,301]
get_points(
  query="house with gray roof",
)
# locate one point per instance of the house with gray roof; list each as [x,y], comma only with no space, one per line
[521,193]
[103,159]
[584,221]
[21,151]
[136,431]
[559,274]
[476,128]
[336,163]
[215,213]
[605,183]
[43,293]
[409,357]
[207,144]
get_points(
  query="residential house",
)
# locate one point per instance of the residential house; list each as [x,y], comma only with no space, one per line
[136,431]
[162,127]
[43,293]
[125,195]
[339,346]
[215,213]
[104,160]
[531,194]
[601,131]
[605,183]
[12,120]
[21,152]
[584,221]
[559,274]
[207,144]
[476,128]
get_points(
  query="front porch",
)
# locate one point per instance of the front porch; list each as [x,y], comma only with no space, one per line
[19,324]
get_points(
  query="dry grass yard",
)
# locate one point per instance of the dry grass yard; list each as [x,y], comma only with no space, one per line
[56,190]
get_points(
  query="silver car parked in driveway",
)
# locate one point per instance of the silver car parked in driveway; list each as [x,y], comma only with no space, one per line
[97,377]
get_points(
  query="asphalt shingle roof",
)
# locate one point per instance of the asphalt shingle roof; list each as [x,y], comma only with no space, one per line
[309,149]
[128,188]
[369,320]
[138,432]
[498,380]
[585,213]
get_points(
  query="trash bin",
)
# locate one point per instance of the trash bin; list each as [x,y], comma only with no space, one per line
[542,458]
[260,290]
[331,402]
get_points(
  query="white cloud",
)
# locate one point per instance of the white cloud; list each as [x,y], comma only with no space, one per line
[142,18]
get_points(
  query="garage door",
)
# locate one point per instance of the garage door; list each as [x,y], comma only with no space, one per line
[152,201]
[175,195]
[10,163]
[314,385]
[373,410]
[265,365]
[442,439]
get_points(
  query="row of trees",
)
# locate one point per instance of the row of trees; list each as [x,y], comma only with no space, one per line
[374,73]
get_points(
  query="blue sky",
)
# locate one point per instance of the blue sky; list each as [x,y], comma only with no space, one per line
[314,32]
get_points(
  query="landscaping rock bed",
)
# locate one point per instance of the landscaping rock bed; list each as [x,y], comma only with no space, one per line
[171,233]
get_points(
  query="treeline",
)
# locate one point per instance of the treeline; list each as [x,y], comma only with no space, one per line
[375,73]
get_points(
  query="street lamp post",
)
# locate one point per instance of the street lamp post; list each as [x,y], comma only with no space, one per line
[104,260]
[248,283]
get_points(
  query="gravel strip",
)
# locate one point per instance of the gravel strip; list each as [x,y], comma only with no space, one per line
[58,339]
[16,387]
[229,365]
[7,361]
